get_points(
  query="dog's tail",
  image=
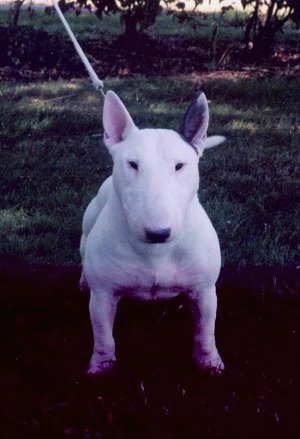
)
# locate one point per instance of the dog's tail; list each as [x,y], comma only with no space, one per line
[212,141]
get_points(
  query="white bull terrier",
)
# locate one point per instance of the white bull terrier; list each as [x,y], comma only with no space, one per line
[145,234]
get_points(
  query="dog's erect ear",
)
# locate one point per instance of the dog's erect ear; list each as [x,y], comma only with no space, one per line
[195,123]
[117,122]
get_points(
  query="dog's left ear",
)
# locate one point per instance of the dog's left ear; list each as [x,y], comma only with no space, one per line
[195,123]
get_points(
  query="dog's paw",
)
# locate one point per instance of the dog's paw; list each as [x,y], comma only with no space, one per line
[101,368]
[212,364]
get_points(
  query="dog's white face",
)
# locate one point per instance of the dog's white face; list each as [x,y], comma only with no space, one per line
[155,177]
[155,171]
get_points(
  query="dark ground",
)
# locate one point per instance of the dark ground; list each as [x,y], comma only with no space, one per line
[154,392]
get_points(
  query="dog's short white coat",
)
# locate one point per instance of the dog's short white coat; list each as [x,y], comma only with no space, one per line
[145,233]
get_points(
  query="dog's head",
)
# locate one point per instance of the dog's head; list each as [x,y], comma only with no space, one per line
[155,172]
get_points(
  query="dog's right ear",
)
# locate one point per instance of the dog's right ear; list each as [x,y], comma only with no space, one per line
[117,122]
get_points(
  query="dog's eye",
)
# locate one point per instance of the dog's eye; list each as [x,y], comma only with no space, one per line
[179,166]
[133,165]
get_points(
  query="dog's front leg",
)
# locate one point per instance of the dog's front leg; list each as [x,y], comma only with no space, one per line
[203,305]
[103,306]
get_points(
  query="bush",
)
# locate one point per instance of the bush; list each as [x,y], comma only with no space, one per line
[135,15]
[266,19]
[36,49]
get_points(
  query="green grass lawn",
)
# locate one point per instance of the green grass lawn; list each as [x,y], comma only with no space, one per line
[53,161]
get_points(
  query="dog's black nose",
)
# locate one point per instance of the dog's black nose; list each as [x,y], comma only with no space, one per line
[157,236]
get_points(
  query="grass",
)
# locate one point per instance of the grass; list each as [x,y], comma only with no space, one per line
[53,162]
[88,27]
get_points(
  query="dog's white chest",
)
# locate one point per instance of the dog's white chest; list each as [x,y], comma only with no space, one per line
[147,277]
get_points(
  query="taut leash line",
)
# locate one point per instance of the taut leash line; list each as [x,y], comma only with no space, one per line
[97,83]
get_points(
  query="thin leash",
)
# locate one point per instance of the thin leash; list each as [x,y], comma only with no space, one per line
[97,83]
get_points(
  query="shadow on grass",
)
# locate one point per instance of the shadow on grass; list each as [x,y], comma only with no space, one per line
[154,390]
[248,185]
